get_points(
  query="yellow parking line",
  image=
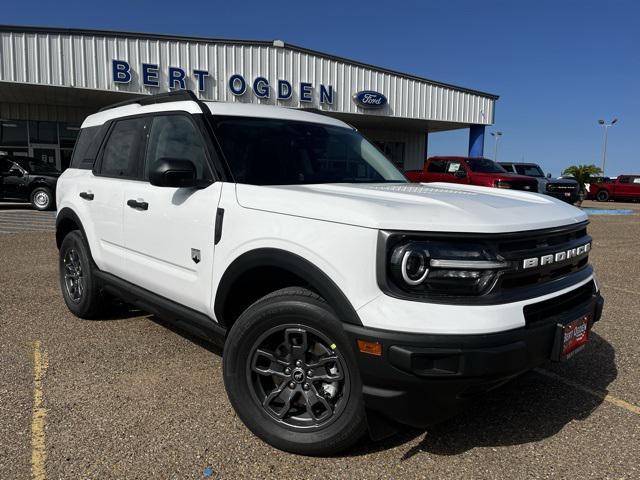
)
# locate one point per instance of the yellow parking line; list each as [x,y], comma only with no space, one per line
[601,395]
[38,453]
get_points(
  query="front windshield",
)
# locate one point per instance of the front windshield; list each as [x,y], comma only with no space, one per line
[484,165]
[529,170]
[267,151]
[32,165]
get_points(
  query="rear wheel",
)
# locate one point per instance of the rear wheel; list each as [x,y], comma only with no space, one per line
[291,376]
[602,196]
[42,198]
[80,287]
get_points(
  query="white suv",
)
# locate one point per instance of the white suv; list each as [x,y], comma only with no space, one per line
[344,296]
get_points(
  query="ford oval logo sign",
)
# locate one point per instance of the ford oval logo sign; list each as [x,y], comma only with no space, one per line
[370,99]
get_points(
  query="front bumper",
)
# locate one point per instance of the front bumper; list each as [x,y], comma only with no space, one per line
[572,198]
[421,379]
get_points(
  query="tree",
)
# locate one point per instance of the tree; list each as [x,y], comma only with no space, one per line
[582,174]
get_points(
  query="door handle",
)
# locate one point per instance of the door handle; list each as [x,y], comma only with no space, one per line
[86,195]
[138,205]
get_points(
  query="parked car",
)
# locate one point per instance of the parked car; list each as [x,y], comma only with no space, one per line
[625,187]
[25,179]
[590,185]
[333,284]
[471,171]
[564,189]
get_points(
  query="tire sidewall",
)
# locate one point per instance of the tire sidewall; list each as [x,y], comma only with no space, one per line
[254,322]
[46,191]
[602,196]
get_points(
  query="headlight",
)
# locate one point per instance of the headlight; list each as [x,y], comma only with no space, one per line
[502,184]
[432,267]
[551,187]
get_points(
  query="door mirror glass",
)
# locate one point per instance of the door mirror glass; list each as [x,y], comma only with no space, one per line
[173,172]
[548,175]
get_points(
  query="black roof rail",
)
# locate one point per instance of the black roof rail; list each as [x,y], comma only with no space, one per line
[174,96]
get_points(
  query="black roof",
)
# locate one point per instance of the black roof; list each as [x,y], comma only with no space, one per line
[265,43]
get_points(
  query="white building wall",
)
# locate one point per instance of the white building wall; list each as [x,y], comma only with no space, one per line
[414,144]
[84,60]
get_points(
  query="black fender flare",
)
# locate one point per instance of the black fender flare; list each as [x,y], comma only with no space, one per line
[295,264]
[68,214]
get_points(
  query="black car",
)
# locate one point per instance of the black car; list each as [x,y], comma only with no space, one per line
[28,179]
[564,189]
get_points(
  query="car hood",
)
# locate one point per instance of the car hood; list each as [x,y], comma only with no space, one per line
[563,181]
[442,207]
[506,176]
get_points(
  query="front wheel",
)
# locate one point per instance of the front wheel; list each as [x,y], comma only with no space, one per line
[602,196]
[291,376]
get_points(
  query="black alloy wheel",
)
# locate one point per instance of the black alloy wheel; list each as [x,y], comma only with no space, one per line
[297,377]
[73,278]
[81,289]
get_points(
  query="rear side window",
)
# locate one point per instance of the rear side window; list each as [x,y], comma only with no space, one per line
[86,148]
[121,153]
[436,166]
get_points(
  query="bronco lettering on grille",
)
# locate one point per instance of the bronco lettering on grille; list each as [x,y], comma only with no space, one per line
[556,257]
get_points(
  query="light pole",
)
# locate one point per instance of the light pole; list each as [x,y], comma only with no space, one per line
[497,136]
[605,126]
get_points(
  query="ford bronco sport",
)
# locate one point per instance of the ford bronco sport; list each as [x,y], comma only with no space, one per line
[346,299]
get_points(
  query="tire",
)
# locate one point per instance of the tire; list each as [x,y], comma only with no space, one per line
[79,285]
[602,196]
[42,199]
[306,414]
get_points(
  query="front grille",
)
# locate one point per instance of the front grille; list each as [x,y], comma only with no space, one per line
[558,305]
[524,185]
[533,245]
[561,187]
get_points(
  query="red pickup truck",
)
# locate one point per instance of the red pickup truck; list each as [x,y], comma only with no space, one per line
[472,171]
[624,187]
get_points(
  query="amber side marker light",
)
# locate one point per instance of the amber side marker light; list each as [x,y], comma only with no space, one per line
[372,348]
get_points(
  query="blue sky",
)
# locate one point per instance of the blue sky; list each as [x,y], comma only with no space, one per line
[558,66]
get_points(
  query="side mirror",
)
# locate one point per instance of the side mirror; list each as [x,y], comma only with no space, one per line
[548,175]
[173,172]
[460,173]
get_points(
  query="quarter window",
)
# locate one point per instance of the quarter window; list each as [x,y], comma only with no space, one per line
[122,151]
[175,136]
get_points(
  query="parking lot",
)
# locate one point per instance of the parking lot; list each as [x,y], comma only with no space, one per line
[130,397]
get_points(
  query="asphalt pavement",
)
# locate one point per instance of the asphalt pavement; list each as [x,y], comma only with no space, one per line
[130,397]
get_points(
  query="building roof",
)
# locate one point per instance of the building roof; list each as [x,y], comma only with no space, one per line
[265,43]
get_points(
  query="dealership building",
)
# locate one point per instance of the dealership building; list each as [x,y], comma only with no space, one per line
[52,78]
